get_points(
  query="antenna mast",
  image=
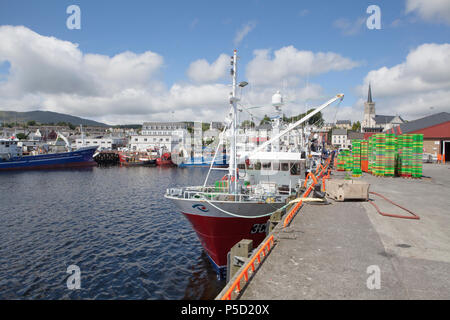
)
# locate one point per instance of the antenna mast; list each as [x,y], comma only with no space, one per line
[232,171]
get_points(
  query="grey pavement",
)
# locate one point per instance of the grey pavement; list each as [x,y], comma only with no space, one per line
[326,251]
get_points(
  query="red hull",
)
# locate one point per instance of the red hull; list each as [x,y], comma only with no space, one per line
[218,235]
[161,162]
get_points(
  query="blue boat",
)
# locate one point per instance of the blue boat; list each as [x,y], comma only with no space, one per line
[203,162]
[11,158]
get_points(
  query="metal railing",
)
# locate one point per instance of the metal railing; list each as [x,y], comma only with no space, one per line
[294,210]
[236,286]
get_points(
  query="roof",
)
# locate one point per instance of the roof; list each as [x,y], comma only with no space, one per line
[369,95]
[343,122]
[355,135]
[383,119]
[339,132]
[425,122]
[264,126]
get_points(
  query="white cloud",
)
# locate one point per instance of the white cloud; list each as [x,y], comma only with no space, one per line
[430,10]
[349,28]
[412,87]
[289,65]
[242,33]
[201,71]
[51,74]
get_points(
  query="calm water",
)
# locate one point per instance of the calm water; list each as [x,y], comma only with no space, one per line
[114,223]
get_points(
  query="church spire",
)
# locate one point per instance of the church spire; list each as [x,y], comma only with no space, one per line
[369,96]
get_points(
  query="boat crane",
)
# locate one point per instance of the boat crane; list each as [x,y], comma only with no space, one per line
[292,126]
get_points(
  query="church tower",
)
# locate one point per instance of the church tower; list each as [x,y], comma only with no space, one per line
[369,112]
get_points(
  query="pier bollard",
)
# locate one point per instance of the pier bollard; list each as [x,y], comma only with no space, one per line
[275,218]
[239,254]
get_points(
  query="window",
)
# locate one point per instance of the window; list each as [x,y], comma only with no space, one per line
[285,167]
[267,165]
[295,169]
[145,139]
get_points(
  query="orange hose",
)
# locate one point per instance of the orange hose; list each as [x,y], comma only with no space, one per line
[414,216]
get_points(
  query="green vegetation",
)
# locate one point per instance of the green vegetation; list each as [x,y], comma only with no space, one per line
[205,126]
[22,136]
[248,124]
[356,126]
[266,119]
[316,120]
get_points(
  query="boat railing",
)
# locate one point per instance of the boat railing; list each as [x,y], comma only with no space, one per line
[222,194]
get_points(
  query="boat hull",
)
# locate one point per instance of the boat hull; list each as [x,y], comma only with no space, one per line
[218,231]
[74,159]
[162,162]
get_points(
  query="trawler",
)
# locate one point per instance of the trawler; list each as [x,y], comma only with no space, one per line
[238,206]
[12,158]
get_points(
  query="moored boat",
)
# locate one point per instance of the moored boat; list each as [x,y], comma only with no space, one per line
[238,206]
[11,158]
[165,160]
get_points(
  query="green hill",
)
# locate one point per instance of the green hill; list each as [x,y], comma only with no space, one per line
[46,117]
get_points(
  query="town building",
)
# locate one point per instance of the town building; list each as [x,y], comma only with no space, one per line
[342,138]
[105,143]
[162,128]
[339,138]
[159,135]
[436,133]
[377,123]
[344,124]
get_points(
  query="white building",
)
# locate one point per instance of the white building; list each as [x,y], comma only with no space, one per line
[162,128]
[159,135]
[159,141]
[105,143]
[339,138]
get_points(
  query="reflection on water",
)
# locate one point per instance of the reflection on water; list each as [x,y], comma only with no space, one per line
[114,223]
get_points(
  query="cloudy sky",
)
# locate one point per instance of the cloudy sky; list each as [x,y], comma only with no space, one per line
[139,61]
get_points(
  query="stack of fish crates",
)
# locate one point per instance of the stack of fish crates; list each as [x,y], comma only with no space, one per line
[356,158]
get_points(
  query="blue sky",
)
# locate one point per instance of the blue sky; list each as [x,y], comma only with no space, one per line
[185,31]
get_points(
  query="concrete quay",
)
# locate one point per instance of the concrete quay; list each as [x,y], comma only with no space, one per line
[326,251]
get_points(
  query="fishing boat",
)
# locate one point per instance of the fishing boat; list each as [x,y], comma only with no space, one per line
[136,159]
[165,160]
[12,158]
[203,159]
[232,208]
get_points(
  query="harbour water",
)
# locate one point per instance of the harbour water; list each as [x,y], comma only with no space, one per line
[113,223]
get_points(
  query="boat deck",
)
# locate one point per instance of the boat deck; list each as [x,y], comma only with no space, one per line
[325,252]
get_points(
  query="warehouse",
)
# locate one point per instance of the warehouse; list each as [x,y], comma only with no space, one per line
[435,130]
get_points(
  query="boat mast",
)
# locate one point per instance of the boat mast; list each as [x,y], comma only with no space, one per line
[233,100]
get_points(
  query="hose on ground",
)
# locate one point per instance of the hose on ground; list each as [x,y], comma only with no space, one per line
[414,216]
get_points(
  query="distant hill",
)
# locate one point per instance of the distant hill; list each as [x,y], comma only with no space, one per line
[46,117]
